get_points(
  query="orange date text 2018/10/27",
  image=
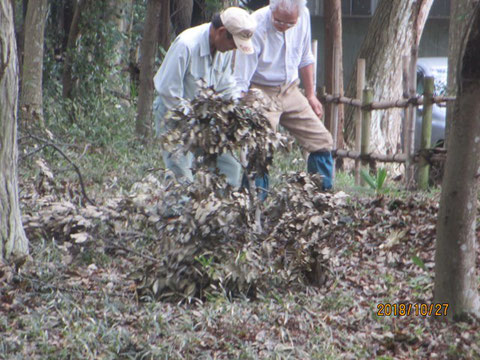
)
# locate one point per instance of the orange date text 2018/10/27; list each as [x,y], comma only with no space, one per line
[414,309]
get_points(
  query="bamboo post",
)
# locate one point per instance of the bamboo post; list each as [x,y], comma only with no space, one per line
[424,167]
[315,55]
[336,92]
[366,119]
[411,72]
[358,115]
[406,113]
[333,105]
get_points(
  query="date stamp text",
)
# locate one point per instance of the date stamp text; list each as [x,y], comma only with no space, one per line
[412,309]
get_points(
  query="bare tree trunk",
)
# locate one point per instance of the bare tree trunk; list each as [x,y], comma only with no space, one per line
[147,58]
[456,280]
[460,16]
[19,32]
[164,28]
[13,241]
[64,11]
[121,16]
[181,11]
[396,27]
[73,33]
[333,35]
[31,97]
[203,9]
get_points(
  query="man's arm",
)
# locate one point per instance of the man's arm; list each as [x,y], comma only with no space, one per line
[306,74]
[169,78]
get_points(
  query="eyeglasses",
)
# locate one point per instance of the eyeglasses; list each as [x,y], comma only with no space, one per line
[285,24]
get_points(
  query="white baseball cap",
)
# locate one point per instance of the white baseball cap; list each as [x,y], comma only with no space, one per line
[241,25]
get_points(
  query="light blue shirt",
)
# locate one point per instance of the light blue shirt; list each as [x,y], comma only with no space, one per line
[187,61]
[277,56]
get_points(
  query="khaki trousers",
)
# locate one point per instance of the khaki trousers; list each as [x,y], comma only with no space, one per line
[287,106]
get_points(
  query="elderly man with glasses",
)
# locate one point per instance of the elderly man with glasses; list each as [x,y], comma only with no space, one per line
[282,55]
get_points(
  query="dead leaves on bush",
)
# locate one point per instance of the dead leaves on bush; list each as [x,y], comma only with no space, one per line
[210,125]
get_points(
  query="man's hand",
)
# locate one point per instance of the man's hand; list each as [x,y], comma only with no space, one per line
[316,105]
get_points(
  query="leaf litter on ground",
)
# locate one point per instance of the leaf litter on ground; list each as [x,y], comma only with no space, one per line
[122,280]
[370,252]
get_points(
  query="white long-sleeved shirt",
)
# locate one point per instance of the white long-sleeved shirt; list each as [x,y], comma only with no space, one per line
[277,56]
[187,61]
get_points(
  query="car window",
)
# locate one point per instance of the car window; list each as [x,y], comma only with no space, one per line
[440,86]
[440,81]
[420,79]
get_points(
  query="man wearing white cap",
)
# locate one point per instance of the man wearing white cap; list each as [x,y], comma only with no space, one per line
[202,52]
[282,57]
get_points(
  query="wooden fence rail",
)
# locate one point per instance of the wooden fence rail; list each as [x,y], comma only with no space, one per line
[383,105]
[371,157]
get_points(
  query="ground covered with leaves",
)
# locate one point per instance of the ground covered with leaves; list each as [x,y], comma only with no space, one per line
[117,280]
[127,263]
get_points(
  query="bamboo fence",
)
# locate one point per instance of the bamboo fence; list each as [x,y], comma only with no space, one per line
[365,104]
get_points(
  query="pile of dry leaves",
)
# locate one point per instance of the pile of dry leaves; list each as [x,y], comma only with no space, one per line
[216,242]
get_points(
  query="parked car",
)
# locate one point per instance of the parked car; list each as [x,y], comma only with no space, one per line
[438,68]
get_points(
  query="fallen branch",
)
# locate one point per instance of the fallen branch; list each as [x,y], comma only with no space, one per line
[33,152]
[77,170]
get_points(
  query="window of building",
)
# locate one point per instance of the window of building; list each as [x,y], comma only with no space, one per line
[350,8]
[440,9]
[361,7]
[366,8]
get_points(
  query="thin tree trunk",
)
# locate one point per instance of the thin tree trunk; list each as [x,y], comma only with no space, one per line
[396,27]
[333,35]
[66,10]
[121,16]
[181,11]
[164,28]
[456,280]
[31,100]
[460,16]
[20,32]
[73,33]
[203,10]
[134,60]
[13,241]
[147,58]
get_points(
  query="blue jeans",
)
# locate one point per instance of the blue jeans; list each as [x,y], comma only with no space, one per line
[181,165]
[261,182]
[319,162]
